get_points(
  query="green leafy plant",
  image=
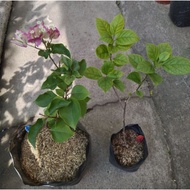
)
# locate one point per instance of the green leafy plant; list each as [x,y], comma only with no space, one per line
[116,41]
[63,103]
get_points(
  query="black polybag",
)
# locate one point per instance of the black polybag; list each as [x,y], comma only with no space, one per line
[113,160]
[15,152]
[179,13]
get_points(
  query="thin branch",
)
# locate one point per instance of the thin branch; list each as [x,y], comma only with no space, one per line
[118,97]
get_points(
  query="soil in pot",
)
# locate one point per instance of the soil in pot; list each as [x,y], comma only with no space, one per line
[52,161]
[128,152]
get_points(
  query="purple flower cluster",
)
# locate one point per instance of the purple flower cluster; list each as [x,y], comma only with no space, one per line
[35,35]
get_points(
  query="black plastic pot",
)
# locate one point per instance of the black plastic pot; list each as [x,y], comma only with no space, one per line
[113,160]
[15,152]
[180,13]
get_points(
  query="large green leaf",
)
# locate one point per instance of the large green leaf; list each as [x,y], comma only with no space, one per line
[34,130]
[135,77]
[107,67]
[119,85]
[135,59]
[92,73]
[60,131]
[71,114]
[102,26]
[57,103]
[117,24]
[105,83]
[44,99]
[177,66]
[79,92]
[120,60]
[102,52]
[152,52]
[60,49]
[156,78]
[145,67]
[126,37]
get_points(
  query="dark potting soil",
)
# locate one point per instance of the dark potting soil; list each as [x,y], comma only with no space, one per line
[52,161]
[127,152]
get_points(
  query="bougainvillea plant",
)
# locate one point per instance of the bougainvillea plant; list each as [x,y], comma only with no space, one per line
[64,104]
[116,41]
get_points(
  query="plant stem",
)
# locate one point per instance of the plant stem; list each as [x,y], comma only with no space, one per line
[118,97]
[142,82]
[53,61]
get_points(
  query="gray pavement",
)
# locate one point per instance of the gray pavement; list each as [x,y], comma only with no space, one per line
[164,117]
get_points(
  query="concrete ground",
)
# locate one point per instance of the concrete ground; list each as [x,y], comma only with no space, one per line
[164,117]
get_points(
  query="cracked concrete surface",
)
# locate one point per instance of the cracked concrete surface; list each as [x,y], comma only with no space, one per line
[165,127]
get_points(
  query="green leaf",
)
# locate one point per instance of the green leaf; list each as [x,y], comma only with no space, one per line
[164,47]
[60,49]
[126,37]
[164,56]
[50,82]
[71,114]
[102,26]
[67,62]
[117,24]
[44,99]
[119,85]
[177,66]
[115,74]
[156,78]
[107,38]
[92,73]
[152,52]
[105,83]
[107,67]
[83,107]
[60,131]
[34,130]
[135,77]
[44,53]
[139,93]
[123,47]
[75,65]
[102,52]
[68,79]
[60,92]
[112,49]
[135,59]
[120,60]
[56,104]
[145,67]
[82,67]
[79,92]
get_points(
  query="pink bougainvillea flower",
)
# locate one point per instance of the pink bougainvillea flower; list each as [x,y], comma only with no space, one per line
[37,33]
[20,38]
[139,138]
[53,33]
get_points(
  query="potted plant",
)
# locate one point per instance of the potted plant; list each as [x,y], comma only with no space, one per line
[128,147]
[55,148]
